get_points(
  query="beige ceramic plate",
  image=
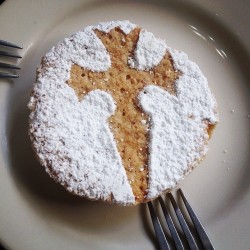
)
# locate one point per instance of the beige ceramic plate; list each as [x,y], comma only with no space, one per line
[35,213]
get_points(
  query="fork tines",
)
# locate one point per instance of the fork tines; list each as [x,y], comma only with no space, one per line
[8,54]
[162,240]
[8,75]
[8,44]
[8,66]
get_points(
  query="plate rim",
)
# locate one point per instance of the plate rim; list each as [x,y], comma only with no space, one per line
[8,6]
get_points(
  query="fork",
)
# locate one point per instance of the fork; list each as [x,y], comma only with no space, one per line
[8,54]
[162,240]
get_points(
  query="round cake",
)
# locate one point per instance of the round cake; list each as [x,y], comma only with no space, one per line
[117,115]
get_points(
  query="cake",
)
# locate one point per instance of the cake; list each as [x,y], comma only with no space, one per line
[116,115]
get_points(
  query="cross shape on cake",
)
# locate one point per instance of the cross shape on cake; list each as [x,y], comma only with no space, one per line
[129,124]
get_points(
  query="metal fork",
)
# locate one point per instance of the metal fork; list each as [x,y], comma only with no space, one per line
[8,54]
[162,240]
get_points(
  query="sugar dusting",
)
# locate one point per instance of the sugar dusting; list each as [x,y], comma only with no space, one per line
[125,26]
[178,135]
[73,139]
[148,53]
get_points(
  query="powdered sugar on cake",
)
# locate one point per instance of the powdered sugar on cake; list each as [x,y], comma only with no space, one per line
[178,134]
[73,140]
[125,26]
[148,53]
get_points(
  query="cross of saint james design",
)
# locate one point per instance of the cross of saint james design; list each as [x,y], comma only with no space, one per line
[129,122]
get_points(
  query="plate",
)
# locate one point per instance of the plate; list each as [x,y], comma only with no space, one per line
[36,213]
